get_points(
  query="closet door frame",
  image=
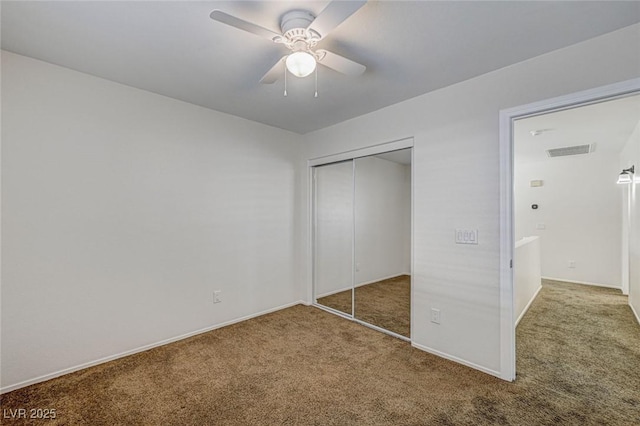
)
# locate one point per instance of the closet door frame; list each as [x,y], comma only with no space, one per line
[337,158]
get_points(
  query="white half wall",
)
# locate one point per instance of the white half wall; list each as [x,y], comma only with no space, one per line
[457,183]
[527,280]
[629,156]
[579,205]
[122,212]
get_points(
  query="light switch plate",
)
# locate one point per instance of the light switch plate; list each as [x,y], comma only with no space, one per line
[435,316]
[466,236]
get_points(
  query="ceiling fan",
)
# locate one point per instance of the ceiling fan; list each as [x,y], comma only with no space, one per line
[301,32]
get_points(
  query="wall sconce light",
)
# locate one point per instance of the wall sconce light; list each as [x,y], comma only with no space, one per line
[626,176]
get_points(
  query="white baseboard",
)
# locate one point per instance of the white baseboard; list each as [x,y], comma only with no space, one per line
[458,360]
[62,372]
[583,283]
[526,308]
[635,313]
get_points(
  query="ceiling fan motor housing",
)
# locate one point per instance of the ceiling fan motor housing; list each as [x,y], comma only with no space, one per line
[294,26]
[296,19]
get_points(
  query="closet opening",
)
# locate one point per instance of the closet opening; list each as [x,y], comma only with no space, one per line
[361,240]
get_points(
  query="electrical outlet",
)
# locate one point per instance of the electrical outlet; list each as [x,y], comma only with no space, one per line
[435,316]
[216,296]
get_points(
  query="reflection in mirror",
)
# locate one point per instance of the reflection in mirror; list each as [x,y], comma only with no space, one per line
[383,240]
[333,215]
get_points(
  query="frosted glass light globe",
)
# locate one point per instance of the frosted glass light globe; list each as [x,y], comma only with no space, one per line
[301,64]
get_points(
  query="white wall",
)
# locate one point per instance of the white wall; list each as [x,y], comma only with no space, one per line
[629,156]
[122,212]
[526,275]
[456,183]
[383,208]
[580,207]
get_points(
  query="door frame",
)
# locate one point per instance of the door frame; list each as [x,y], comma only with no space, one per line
[507,240]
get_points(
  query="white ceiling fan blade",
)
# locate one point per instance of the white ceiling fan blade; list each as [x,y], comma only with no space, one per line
[274,73]
[225,18]
[340,63]
[333,15]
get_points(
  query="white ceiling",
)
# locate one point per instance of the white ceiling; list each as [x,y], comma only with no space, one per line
[173,48]
[608,125]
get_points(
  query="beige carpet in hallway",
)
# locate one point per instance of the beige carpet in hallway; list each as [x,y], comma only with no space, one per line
[578,364]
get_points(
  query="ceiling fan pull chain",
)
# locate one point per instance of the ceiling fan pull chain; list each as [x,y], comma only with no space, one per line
[316,94]
[285,81]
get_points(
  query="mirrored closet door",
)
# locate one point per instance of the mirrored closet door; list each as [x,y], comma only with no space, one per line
[383,241]
[362,239]
[333,236]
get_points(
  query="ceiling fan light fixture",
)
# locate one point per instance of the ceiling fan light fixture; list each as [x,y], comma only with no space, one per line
[301,64]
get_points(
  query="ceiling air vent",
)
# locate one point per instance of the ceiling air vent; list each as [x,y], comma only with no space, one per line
[570,150]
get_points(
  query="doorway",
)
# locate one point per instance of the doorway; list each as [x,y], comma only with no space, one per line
[508,120]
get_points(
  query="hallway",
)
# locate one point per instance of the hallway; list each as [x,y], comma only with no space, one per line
[581,345]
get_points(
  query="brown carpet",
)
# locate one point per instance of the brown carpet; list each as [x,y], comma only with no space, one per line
[385,303]
[578,360]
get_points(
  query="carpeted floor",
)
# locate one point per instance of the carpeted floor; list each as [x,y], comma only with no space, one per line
[578,363]
[385,303]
